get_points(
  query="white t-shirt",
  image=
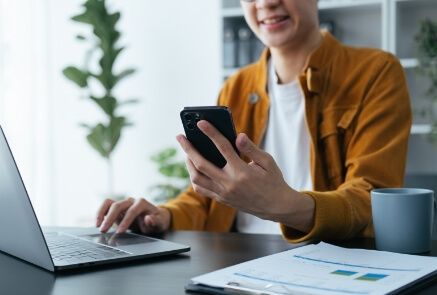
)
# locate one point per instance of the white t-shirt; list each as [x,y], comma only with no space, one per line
[288,141]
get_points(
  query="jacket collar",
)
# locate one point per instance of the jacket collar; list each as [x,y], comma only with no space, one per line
[316,67]
[319,62]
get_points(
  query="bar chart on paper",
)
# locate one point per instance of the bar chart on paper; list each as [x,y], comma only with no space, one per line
[324,269]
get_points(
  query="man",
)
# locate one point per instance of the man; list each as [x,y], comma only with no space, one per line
[320,125]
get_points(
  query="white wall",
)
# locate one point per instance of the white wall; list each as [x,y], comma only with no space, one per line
[175,47]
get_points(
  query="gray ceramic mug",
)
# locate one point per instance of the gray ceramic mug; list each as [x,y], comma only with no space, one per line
[403,219]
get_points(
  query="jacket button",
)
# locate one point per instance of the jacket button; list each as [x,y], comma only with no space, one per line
[253,98]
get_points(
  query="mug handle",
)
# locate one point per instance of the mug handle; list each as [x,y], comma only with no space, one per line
[434,213]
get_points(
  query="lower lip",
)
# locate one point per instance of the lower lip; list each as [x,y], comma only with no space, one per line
[274,26]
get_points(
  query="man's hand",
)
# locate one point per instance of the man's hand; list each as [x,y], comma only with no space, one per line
[138,215]
[257,188]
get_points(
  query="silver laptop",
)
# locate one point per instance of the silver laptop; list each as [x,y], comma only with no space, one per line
[21,235]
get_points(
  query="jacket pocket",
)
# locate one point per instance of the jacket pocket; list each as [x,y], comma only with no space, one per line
[336,129]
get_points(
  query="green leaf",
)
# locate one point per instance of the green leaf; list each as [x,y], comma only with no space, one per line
[80,37]
[107,79]
[93,8]
[177,170]
[129,101]
[85,18]
[166,191]
[117,52]
[124,74]
[107,103]
[115,125]
[164,155]
[97,139]
[76,75]
[85,126]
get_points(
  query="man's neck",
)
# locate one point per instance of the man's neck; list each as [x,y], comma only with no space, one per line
[289,62]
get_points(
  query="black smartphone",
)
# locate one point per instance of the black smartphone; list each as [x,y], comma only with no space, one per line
[221,118]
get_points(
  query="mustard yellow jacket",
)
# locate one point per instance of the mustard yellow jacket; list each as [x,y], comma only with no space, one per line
[359,117]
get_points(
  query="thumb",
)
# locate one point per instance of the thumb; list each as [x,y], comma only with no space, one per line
[159,221]
[149,220]
[250,150]
[153,223]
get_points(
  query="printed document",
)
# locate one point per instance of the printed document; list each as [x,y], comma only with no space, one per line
[324,269]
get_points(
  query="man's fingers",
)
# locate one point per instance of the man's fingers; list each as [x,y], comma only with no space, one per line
[249,149]
[194,156]
[200,181]
[102,211]
[115,209]
[153,223]
[220,141]
[139,208]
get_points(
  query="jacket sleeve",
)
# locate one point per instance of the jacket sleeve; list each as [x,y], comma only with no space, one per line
[375,157]
[189,210]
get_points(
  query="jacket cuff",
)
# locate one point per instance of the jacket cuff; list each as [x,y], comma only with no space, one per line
[183,220]
[331,219]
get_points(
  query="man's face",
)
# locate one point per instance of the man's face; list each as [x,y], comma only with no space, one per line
[282,23]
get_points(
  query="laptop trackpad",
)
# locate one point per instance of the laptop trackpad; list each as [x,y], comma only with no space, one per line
[117,240]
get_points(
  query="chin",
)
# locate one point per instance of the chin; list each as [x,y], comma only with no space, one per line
[278,40]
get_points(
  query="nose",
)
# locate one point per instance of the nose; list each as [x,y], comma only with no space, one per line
[267,3]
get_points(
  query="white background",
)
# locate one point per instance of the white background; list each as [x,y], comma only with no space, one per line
[175,47]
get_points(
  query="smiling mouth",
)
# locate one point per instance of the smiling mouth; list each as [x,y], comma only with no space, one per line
[274,20]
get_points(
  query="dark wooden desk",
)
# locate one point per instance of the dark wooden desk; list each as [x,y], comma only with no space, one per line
[165,275]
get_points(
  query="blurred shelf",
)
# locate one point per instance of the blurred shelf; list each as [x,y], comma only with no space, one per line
[347,3]
[420,129]
[409,62]
[229,72]
[232,12]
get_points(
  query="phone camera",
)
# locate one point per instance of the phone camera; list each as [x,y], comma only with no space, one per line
[188,117]
[190,126]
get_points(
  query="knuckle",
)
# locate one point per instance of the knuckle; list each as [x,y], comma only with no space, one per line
[250,148]
[224,199]
[195,178]
[108,202]
[195,188]
[270,158]
[198,189]
[116,206]
[201,166]
[232,190]
[242,179]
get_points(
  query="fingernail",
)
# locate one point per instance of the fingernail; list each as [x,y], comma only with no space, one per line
[149,222]
[102,226]
[202,125]
[120,229]
[244,140]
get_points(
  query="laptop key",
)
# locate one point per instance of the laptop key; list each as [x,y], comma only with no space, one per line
[71,249]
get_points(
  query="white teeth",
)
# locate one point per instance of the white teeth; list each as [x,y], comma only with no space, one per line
[272,20]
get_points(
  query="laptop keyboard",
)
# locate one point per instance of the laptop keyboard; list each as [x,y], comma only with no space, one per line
[64,248]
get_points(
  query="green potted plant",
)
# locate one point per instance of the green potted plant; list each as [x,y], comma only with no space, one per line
[98,78]
[175,171]
[426,41]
